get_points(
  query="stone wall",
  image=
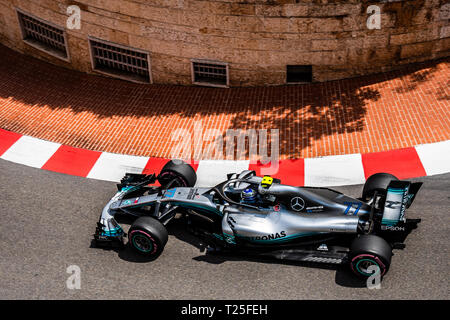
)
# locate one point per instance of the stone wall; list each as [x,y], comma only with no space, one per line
[258,38]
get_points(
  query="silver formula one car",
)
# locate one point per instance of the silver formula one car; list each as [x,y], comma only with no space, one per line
[260,216]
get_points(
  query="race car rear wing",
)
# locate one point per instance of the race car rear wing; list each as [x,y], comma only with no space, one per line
[412,192]
[399,197]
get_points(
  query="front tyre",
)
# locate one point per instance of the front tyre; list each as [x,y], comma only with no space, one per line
[147,236]
[177,173]
[370,255]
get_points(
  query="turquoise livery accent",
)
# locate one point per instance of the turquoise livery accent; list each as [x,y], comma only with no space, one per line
[229,238]
[396,191]
[169,193]
[113,232]
[372,262]
[218,236]
[389,222]
[142,239]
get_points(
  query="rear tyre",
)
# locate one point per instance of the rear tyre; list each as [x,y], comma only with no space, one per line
[367,252]
[377,182]
[177,173]
[147,236]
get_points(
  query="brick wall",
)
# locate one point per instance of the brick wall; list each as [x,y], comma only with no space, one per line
[258,38]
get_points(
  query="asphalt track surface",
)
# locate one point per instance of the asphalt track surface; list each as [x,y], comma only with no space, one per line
[47,220]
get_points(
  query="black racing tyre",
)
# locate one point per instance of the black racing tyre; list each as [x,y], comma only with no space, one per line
[147,236]
[177,173]
[370,250]
[377,182]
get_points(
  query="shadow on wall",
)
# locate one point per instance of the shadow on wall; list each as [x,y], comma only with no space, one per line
[303,113]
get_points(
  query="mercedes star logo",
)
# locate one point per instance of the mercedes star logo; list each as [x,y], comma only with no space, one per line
[297,203]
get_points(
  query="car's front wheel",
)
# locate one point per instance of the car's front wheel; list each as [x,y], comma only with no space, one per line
[177,173]
[147,236]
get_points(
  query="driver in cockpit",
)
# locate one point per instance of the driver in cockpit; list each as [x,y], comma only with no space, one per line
[252,196]
[249,196]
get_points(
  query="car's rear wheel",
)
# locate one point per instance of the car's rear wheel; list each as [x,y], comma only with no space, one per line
[177,173]
[370,255]
[377,182]
[147,236]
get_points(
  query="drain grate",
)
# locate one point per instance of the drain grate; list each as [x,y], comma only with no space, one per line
[210,73]
[43,35]
[120,61]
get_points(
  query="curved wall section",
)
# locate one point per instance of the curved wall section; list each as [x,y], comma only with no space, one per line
[256,39]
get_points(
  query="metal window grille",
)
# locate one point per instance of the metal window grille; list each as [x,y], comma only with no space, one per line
[120,61]
[298,73]
[43,35]
[210,73]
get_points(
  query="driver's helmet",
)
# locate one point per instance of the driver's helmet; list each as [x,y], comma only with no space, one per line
[248,195]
